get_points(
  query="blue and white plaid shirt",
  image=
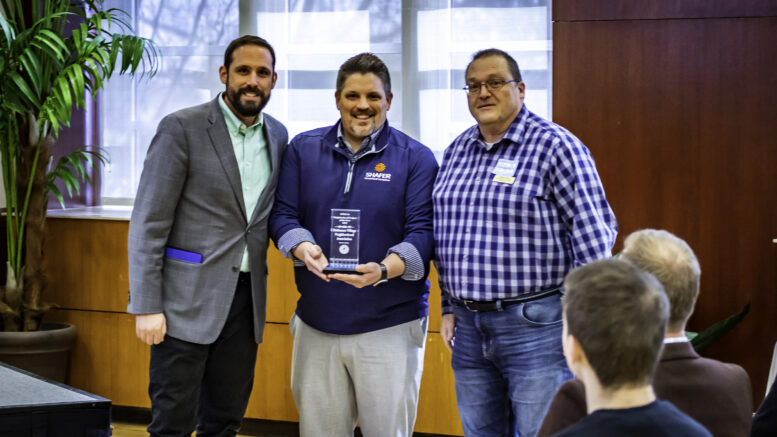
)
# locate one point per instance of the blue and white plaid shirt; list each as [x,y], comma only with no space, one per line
[499,239]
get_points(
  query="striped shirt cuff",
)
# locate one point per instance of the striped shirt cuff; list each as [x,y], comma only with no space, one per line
[291,239]
[414,265]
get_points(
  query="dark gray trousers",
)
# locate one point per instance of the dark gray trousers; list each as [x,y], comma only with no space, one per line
[206,386]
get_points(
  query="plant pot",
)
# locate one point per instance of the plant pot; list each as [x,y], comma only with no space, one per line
[45,352]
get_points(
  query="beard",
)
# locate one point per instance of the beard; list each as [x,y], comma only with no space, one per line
[247,109]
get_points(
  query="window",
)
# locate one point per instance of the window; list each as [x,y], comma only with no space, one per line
[425,43]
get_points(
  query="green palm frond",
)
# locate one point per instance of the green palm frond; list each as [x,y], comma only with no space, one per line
[72,170]
[52,53]
[49,73]
[8,33]
[710,335]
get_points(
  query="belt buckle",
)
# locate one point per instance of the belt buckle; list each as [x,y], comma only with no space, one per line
[468,302]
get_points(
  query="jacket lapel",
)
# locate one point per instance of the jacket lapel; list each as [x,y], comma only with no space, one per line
[272,144]
[219,138]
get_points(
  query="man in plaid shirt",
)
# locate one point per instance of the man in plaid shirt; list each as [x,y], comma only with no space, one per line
[517,204]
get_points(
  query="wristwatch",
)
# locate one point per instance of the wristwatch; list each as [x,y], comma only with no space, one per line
[383,275]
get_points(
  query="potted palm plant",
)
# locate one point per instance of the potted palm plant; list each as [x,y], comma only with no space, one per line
[52,53]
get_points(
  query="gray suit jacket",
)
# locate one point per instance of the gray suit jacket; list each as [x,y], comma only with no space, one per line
[190,198]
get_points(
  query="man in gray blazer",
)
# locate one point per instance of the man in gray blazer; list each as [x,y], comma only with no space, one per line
[198,244]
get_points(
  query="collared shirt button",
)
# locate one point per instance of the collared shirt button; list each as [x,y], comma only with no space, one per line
[477,179]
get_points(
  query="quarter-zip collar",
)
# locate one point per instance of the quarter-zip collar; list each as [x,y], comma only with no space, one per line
[372,144]
[367,144]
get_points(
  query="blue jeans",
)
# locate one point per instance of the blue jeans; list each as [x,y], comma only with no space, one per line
[508,365]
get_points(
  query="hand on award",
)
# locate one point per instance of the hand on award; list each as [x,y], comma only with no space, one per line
[313,258]
[371,274]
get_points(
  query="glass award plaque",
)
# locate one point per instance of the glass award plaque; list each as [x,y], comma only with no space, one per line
[344,242]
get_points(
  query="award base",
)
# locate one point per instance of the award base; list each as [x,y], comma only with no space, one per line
[348,269]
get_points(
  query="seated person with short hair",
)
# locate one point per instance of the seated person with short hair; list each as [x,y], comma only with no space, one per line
[614,323]
[714,393]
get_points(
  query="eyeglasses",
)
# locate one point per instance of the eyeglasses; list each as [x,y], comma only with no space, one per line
[491,85]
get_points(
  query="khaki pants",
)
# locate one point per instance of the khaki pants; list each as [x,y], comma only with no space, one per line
[372,377]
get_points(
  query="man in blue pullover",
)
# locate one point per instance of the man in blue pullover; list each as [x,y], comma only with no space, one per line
[358,337]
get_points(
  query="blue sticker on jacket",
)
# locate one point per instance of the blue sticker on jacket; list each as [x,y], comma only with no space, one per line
[183,255]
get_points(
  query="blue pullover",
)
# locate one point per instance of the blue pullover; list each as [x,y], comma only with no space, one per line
[391,185]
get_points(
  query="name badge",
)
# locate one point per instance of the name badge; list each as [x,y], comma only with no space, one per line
[505,167]
[504,179]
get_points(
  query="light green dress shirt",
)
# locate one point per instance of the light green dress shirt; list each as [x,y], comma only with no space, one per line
[253,160]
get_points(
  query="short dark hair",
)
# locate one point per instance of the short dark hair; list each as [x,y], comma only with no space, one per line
[364,63]
[246,40]
[672,261]
[618,313]
[515,72]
